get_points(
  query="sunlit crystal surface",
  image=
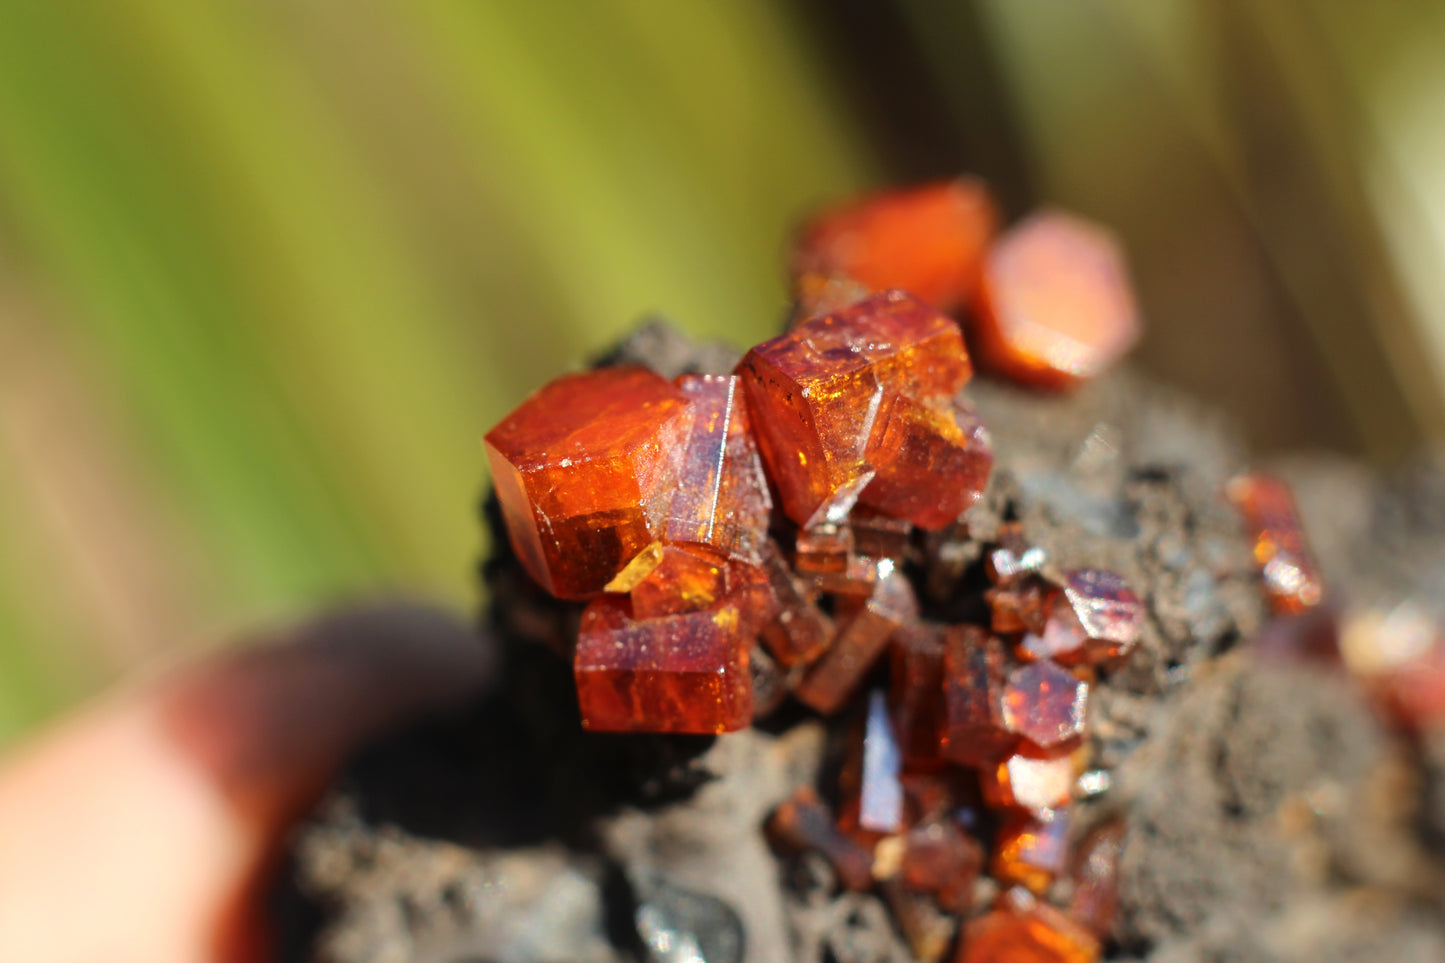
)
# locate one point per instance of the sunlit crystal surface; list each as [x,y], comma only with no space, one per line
[674,673]
[721,499]
[930,461]
[1025,931]
[928,240]
[1095,902]
[1272,521]
[1030,779]
[683,579]
[804,823]
[584,469]
[1032,849]
[1045,704]
[815,392]
[858,644]
[1108,611]
[1056,305]
[975,732]
[880,806]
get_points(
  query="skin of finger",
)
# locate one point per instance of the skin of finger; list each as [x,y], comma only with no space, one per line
[142,828]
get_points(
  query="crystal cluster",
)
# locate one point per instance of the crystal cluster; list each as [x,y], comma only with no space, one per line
[745,538]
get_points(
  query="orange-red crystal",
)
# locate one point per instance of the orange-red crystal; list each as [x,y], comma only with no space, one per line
[929,240]
[1272,521]
[1055,305]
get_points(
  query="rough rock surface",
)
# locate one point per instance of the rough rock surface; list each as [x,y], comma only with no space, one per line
[1270,816]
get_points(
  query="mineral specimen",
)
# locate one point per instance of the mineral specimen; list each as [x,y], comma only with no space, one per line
[1031,849]
[1045,704]
[1023,930]
[975,728]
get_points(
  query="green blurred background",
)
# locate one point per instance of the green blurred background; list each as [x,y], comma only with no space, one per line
[269,268]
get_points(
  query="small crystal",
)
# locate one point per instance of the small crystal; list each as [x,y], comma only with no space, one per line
[722,498]
[1272,521]
[916,689]
[881,799]
[1022,606]
[804,823]
[1031,849]
[1045,704]
[860,640]
[975,731]
[800,632]
[1013,558]
[940,858]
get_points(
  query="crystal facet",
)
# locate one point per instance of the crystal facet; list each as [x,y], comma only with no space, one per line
[721,498]
[931,461]
[1045,704]
[1056,306]
[1030,779]
[584,470]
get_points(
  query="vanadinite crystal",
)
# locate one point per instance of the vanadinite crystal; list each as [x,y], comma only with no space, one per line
[817,392]
[1031,849]
[1045,704]
[1024,930]
[1055,305]
[804,823]
[929,240]
[1031,779]
[975,729]
[1270,518]
[672,673]
[858,644]
[1095,872]
[585,469]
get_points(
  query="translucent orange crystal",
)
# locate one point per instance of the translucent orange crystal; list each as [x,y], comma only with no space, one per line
[858,644]
[671,579]
[1056,306]
[1023,930]
[800,632]
[975,730]
[928,240]
[916,689]
[722,497]
[672,673]
[816,391]
[931,461]
[1032,849]
[584,470]
[1272,521]
[1045,704]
